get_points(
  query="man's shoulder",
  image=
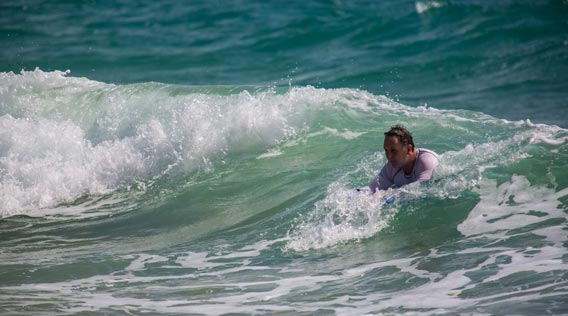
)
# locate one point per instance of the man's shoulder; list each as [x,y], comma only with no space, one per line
[429,157]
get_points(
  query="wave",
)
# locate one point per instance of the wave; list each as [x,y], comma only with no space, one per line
[77,147]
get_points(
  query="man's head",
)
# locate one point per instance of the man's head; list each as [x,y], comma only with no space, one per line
[399,146]
[403,135]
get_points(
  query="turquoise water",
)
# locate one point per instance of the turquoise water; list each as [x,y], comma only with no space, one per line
[200,158]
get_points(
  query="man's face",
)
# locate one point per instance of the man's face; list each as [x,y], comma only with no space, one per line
[396,152]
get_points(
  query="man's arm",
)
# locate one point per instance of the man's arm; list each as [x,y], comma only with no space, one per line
[381,181]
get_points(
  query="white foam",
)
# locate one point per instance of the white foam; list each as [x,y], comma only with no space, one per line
[48,162]
[508,206]
[343,215]
[346,134]
[424,6]
[142,260]
[270,153]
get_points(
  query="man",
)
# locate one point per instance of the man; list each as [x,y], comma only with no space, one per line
[406,163]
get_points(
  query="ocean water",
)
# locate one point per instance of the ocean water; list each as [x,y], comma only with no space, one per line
[201,158]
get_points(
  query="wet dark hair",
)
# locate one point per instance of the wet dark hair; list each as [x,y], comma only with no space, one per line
[403,135]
